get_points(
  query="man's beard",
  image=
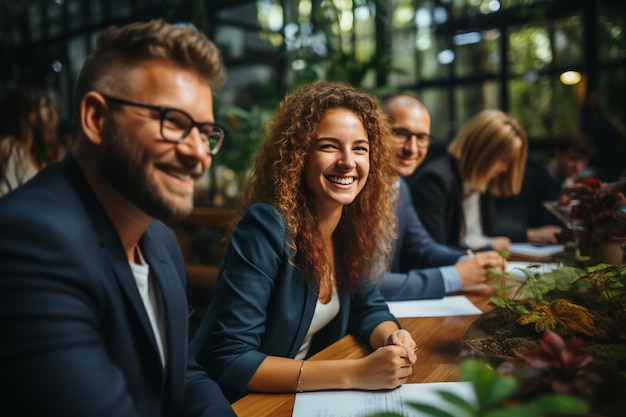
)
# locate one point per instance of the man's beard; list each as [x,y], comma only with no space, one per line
[126,168]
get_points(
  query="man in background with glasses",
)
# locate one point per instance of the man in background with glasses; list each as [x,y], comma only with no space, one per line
[93,309]
[420,267]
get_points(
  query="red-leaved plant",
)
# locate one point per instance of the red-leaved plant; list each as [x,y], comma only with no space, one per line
[598,207]
[557,365]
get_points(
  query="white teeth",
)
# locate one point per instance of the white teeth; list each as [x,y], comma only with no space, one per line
[180,176]
[342,180]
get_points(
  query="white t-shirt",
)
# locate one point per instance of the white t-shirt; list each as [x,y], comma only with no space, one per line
[152,301]
[323,315]
[472,235]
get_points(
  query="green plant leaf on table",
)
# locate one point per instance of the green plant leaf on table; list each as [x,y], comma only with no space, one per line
[490,388]
[495,395]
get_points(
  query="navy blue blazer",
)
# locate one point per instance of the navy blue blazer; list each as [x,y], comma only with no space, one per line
[75,339]
[416,257]
[262,306]
[437,193]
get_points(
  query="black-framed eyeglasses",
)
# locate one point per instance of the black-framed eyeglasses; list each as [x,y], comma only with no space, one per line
[176,124]
[404,135]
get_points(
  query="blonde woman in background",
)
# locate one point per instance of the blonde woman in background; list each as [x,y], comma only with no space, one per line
[454,193]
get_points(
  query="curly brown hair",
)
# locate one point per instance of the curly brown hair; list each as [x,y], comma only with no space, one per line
[364,234]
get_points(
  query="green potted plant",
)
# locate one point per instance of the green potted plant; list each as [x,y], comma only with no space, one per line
[568,302]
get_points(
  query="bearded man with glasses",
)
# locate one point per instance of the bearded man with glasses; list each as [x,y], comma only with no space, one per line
[93,308]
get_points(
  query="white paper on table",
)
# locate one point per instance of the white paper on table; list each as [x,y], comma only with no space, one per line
[514,267]
[531,249]
[365,403]
[452,305]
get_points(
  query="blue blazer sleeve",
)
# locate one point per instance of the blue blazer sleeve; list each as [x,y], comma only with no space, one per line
[416,256]
[257,304]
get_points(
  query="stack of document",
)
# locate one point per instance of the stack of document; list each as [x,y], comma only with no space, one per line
[454,305]
[535,250]
[365,403]
[516,268]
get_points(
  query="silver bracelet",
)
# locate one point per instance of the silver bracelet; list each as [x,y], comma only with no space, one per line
[298,390]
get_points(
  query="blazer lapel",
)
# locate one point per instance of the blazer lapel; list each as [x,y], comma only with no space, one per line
[112,251]
[168,279]
[120,269]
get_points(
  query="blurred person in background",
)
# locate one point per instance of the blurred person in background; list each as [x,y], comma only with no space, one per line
[608,134]
[454,194]
[420,267]
[28,135]
[572,151]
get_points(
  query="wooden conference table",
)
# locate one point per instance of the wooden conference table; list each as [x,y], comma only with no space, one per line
[439,340]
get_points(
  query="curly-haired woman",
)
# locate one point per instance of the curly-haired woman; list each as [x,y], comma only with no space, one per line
[314,223]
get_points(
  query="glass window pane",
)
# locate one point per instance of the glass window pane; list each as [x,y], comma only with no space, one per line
[35,22]
[76,53]
[16,35]
[119,8]
[364,34]
[246,14]
[438,104]
[463,8]
[431,50]
[238,43]
[529,48]
[568,41]
[610,81]
[74,13]
[141,5]
[477,52]
[96,11]
[55,17]
[544,106]
[402,43]
[472,98]
[611,35]
[402,58]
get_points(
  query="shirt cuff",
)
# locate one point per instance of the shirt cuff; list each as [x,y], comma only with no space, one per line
[477,242]
[451,279]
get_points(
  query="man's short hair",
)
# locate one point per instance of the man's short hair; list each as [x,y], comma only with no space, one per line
[120,48]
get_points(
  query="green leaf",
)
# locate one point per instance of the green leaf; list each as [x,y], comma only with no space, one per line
[458,401]
[476,372]
[512,411]
[522,309]
[499,388]
[431,410]
[498,301]
[490,388]
[559,404]
[495,272]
